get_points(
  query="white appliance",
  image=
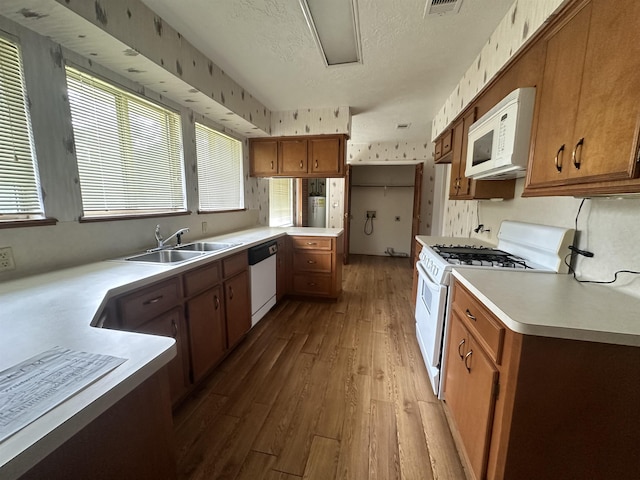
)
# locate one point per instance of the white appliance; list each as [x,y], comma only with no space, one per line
[498,146]
[262,269]
[317,210]
[524,246]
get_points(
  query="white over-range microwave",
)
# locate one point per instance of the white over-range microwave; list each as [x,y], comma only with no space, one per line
[498,146]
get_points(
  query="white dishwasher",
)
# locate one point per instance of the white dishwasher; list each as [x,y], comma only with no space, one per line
[262,269]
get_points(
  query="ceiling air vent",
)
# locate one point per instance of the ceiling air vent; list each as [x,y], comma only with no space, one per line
[442,7]
[403,126]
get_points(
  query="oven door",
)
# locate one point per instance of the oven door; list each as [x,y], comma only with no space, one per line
[430,314]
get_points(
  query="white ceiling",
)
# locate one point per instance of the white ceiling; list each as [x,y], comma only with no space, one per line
[410,64]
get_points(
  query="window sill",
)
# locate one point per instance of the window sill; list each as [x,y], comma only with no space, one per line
[138,216]
[27,222]
[222,211]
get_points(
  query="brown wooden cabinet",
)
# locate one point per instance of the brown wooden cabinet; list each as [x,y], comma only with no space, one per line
[416,256]
[264,157]
[299,157]
[157,310]
[588,107]
[237,297]
[316,264]
[281,268]
[525,406]
[443,147]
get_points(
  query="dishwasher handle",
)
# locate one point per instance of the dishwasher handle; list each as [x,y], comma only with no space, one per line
[262,252]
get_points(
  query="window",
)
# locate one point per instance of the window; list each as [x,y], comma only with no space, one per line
[219,159]
[129,150]
[19,189]
[280,202]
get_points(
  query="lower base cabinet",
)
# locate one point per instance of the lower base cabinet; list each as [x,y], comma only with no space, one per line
[237,307]
[316,266]
[530,407]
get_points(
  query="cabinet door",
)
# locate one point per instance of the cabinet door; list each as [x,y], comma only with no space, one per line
[465,183]
[469,391]
[292,157]
[237,307]
[263,156]
[558,101]
[456,160]
[206,331]
[171,324]
[609,112]
[326,156]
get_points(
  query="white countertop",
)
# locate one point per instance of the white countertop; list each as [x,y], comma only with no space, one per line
[58,309]
[555,305]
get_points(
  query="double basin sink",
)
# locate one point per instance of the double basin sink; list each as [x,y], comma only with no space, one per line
[182,253]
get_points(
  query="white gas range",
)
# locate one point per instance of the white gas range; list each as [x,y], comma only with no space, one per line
[522,246]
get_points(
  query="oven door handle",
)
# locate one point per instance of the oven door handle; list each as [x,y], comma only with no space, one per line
[424,276]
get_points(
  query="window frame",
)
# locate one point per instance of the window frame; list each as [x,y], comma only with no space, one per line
[241,186]
[291,201]
[31,218]
[132,95]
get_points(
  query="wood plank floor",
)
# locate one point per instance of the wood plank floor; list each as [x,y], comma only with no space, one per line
[323,391]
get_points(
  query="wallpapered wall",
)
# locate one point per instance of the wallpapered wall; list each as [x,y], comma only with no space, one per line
[608,227]
[524,18]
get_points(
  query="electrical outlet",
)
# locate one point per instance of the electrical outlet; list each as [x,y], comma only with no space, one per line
[371,214]
[6,259]
[204,227]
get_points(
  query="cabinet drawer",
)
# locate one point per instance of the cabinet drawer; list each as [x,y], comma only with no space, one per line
[488,331]
[312,285]
[312,262]
[202,278]
[311,243]
[143,305]
[235,264]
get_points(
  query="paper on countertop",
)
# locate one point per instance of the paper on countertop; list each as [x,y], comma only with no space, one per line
[32,388]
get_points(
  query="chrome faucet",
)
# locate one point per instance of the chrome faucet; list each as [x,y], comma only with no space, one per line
[162,242]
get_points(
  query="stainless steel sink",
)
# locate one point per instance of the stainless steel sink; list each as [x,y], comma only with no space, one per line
[205,247]
[165,256]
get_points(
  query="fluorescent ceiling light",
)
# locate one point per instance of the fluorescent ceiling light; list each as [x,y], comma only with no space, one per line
[335,29]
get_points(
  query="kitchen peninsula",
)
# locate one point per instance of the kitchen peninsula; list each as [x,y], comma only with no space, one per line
[59,309]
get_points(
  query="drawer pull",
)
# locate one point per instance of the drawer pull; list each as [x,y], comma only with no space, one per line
[310,262]
[466,357]
[216,302]
[574,155]
[460,345]
[469,315]
[175,328]
[153,300]
[311,243]
[311,284]
[558,159]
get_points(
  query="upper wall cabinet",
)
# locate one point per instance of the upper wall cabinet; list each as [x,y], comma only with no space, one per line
[444,142]
[585,134]
[305,156]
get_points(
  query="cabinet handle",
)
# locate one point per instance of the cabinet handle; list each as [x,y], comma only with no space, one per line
[310,262]
[316,163]
[230,293]
[311,284]
[466,357]
[271,164]
[460,345]
[175,328]
[558,159]
[574,155]
[216,302]
[469,315]
[300,164]
[153,300]
[311,243]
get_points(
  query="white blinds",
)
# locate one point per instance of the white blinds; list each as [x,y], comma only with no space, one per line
[129,150]
[219,160]
[280,202]
[19,192]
